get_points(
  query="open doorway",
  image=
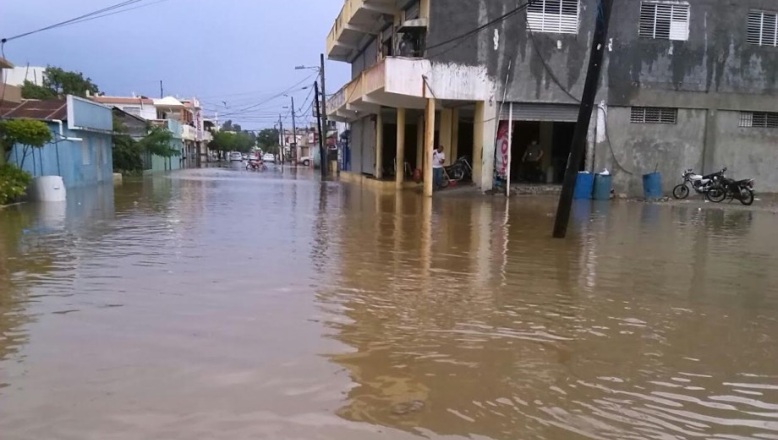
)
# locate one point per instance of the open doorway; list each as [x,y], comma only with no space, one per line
[540,151]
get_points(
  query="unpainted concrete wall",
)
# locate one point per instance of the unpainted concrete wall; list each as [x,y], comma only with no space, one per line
[630,150]
[747,152]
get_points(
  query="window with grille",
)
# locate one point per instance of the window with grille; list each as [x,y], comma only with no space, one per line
[758,120]
[654,115]
[664,20]
[763,28]
[554,16]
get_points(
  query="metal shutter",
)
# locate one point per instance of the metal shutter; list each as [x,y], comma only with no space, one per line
[541,112]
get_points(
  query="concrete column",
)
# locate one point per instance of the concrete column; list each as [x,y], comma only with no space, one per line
[429,145]
[446,117]
[420,143]
[478,142]
[400,160]
[379,145]
[488,135]
[454,135]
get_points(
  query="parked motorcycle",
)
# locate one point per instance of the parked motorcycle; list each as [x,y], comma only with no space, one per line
[456,172]
[700,184]
[723,188]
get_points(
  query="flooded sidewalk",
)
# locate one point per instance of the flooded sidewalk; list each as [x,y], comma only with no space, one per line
[226,304]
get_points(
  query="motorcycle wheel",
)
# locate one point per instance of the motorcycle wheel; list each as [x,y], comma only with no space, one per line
[681,191]
[716,194]
[747,198]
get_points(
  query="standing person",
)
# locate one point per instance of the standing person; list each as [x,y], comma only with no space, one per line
[438,159]
[531,159]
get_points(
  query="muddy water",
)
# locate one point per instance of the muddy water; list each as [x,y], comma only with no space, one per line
[228,305]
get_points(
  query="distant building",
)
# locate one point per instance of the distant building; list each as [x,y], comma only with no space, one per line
[16,76]
[140,106]
[8,92]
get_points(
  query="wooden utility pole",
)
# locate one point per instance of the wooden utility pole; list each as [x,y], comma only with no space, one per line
[281,138]
[584,117]
[319,120]
[323,113]
[294,136]
[161,90]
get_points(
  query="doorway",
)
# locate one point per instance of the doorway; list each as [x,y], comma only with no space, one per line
[549,142]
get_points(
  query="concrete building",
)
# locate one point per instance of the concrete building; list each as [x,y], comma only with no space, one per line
[80,151]
[684,86]
[16,76]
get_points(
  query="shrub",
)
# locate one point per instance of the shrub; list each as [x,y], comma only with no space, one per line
[13,183]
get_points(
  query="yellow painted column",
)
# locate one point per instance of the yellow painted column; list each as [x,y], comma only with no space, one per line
[478,141]
[420,143]
[429,145]
[454,135]
[445,132]
[400,158]
[379,145]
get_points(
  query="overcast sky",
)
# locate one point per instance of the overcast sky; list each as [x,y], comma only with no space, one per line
[238,51]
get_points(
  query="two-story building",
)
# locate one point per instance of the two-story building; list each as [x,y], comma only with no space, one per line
[684,85]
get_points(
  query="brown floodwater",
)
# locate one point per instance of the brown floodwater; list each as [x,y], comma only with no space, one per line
[221,304]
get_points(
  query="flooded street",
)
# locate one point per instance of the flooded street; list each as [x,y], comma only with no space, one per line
[221,304]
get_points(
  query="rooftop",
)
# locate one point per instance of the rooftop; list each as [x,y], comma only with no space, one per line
[47,110]
[122,100]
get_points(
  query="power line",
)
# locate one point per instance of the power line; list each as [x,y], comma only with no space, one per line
[290,89]
[72,20]
[116,12]
[499,19]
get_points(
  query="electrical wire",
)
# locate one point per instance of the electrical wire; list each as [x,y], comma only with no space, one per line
[115,12]
[499,19]
[290,89]
[73,20]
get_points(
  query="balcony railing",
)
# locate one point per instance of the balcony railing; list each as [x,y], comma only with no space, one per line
[188,133]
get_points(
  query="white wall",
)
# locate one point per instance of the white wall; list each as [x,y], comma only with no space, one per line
[405,76]
[17,75]
[145,111]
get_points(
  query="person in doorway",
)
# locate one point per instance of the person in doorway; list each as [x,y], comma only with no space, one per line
[531,161]
[438,159]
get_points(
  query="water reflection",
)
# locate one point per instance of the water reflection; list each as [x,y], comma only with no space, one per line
[479,324]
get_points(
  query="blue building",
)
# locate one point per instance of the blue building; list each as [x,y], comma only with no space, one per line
[81,147]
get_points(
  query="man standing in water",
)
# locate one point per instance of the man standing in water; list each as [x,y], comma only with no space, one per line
[438,159]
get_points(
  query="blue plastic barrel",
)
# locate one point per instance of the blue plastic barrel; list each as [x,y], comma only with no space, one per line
[583,186]
[652,186]
[602,187]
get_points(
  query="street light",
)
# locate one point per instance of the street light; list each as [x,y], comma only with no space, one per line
[307,68]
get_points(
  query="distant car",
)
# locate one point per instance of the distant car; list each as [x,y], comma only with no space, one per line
[305,160]
[253,156]
[268,158]
[236,157]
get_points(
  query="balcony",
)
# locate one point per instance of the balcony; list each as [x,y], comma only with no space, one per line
[393,82]
[357,19]
[188,133]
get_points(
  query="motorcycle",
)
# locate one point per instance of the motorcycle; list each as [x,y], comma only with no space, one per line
[456,172]
[723,188]
[700,184]
[255,165]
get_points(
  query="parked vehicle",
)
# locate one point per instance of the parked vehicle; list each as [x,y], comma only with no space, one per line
[700,184]
[457,171]
[236,157]
[724,188]
[269,158]
[305,160]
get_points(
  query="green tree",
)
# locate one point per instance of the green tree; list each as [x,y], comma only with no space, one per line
[159,141]
[59,82]
[267,138]
[26,133]
[127,154]
[222,142]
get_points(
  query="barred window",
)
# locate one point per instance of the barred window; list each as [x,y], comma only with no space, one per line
[654,115]
[763,28]
[664,20]
[554,16]
[758,120]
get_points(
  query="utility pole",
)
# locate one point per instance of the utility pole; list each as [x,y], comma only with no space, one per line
[161,90]
[323,113]
[320,120]
[584,117]
[294,145]
[281,137]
